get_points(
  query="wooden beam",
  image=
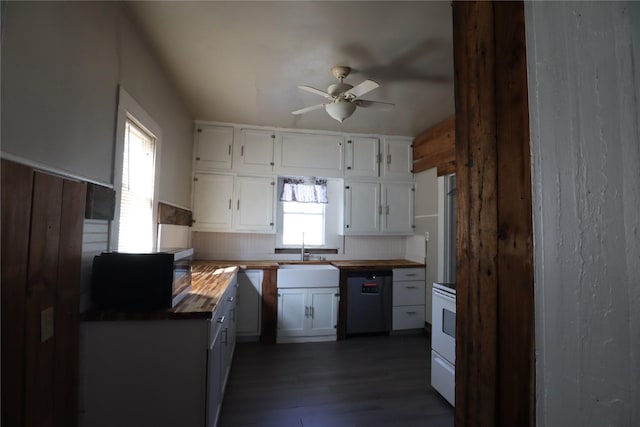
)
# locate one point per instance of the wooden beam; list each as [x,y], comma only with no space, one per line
[435,147]
[494,326]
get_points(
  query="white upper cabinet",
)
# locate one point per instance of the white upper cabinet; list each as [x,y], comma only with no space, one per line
[398,208]
[212,200]
[229,203]
[362,205]
[254,204]
[397,158]
[363,157]
[310,154]
[373,208]
[214,147]
[254,150]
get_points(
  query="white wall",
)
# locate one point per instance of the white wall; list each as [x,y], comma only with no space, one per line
[584,89]
[62,63]
[426,210]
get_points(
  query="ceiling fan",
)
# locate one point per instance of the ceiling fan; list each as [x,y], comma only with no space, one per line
[343,97]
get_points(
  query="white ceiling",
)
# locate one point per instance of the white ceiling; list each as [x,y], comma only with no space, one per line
[241,62]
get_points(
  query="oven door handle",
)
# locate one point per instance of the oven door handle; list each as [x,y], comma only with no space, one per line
[444,295]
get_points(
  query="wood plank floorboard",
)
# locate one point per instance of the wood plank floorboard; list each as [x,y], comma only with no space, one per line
[375,381]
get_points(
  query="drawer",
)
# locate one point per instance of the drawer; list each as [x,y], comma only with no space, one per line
[408,274]
[408,317]
[408,293]
[217,320]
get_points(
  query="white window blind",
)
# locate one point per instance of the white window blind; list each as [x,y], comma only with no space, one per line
[136,197]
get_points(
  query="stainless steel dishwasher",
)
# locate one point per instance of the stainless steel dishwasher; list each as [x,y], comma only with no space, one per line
[369,302]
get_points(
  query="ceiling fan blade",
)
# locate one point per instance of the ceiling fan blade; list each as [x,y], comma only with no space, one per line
[307,109]
[316,91]
[384,106]
[359,90]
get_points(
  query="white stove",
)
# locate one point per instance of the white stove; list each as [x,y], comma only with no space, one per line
[443,340]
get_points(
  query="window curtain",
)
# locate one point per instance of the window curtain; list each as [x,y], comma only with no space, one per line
[304,190]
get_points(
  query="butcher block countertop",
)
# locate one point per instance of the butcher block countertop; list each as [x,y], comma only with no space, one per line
[209,281]
[377,264]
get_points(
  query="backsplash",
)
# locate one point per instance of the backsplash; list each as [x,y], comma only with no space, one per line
[244,246]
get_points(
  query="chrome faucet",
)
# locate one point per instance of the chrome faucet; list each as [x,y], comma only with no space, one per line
[304,256]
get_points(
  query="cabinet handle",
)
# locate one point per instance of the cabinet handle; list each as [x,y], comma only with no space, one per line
[230,299]
[226,336]
[197,158]
[380,210]
[238,205]
[388,159]
[411,274]
[229,149]
[220,319]
[271,163]
[411,312]
[242,151]
[229,203]
[311,312]
[410,287]
[306,311]
[348,168]
[387,210]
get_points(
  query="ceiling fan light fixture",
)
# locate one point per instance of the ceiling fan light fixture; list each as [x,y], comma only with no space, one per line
[340,109]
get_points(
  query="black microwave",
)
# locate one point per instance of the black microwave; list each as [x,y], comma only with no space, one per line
[141,281]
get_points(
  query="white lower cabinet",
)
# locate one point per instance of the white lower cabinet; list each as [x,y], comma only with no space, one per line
[229,203]
[249,303]
[307,314]
[156,373]
[408,310]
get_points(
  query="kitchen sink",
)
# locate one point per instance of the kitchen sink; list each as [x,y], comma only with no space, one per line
[308,276]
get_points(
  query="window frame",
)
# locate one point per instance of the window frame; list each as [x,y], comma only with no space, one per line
[128,108]
[333,238]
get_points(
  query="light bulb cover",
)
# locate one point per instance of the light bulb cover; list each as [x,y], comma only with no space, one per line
[340,109]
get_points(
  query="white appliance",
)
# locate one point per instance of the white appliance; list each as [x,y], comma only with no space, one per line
[443,340]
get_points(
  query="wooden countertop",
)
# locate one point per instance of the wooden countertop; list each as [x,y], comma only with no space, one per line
[377,264]
[346,264]
[208,283]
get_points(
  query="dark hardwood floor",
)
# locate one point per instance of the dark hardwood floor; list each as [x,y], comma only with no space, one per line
[363,381]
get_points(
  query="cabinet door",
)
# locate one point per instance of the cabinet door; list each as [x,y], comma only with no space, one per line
[255,150]
[254,204]
[362,208]
[398,158]
[363,157]
[249,302]
[323,311]
[213,147]
[214,380]
[212,200]
[292,312]
[310,154]
[398,208]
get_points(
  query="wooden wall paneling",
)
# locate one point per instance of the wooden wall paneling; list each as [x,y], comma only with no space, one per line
[494,326]
[40,312]
[67,306]
[516,361]
[435,147]
[16,188]
[269,327]
[168,214]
